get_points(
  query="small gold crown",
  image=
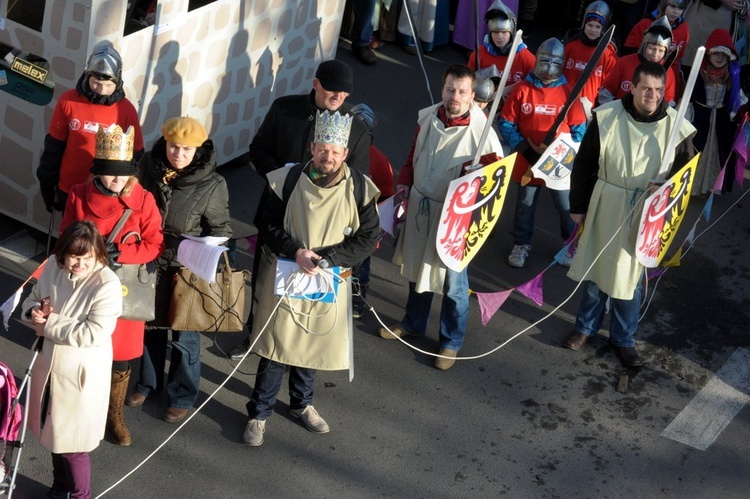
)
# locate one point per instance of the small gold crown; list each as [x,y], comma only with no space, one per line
[112,143]
[332,128]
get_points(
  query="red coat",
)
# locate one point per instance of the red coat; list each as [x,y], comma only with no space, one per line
[381,172]
[618,82]
[577,55]
[523,63]
[85,202]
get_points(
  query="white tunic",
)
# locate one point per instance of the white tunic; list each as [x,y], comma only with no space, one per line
[439,156]
[617,200]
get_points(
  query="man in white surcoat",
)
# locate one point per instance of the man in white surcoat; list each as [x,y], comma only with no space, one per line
[447,139]
[621,153]
[319,211]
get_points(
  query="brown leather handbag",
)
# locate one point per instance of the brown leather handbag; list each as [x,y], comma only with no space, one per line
[217,307]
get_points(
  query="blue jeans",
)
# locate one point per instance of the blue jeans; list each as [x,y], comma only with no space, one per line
[454,312]
[268,383]
[624,319]
[523,221]
[362,27]
[184,375]
[363,272]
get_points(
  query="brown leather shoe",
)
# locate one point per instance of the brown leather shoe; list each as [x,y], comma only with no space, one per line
[135,399]
[628,356]
[575,340]
[445,364]
[174,415]
[396,331]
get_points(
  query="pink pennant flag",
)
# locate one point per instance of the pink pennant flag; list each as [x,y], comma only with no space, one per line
[719,184]
[252,242]
[533,290]
[739,148]
[489,303]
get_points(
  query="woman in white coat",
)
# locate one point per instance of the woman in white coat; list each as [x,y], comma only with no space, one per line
[70,386]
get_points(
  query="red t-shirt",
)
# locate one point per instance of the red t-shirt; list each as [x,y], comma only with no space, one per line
[680,35]
[75,121]
[534,110]
[619,81]
[523,63]
[577,55]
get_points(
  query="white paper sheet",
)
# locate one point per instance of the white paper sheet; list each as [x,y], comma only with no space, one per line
[201,255]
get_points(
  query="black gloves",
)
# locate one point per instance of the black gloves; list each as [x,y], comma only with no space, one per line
[112,254]
[49,195]
[524,149]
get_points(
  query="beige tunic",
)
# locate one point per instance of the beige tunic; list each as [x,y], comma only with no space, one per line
[305,333]
[76,359]
[439,154]
[624,174]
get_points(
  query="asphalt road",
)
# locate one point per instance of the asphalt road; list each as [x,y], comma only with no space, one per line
[530,419]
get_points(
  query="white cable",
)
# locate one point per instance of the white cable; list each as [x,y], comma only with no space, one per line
[210,397]
[695,238]
[550,314]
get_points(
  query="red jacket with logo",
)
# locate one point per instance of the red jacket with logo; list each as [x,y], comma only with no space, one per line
[619,81]
[75,121]
[523,63]
[533,109]
[577,55]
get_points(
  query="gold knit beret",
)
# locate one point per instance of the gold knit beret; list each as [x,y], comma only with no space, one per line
[184,130]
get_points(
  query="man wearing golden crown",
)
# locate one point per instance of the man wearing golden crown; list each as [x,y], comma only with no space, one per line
[447,138]
[320,214]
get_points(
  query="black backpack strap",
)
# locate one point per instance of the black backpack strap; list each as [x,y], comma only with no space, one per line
[359,187]
[292,177]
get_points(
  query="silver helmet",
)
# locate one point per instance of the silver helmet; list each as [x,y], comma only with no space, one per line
[659,33]
[680,4]
[599,10]
[550,60]
[367,115]
[484,90]
[105,60]
[500,18]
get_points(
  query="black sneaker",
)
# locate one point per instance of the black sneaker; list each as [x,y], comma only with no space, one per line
[365,54]
[358,307]
[239,350]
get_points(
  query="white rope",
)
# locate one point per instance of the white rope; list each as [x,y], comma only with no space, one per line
[695,238]
[210,397]
[626,220]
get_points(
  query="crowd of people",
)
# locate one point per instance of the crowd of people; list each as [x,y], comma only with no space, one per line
[125,205]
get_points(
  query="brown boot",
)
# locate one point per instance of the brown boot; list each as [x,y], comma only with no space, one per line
[115,419]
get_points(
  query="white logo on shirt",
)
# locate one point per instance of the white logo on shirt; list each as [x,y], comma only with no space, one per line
[548,109]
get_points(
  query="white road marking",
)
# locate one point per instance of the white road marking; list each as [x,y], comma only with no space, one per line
[705,417]
[20,247]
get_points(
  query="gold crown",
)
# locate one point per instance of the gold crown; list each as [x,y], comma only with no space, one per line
[332,128]
[112,143]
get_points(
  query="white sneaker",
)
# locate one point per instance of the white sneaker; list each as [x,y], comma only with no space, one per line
[254,431]
[311,418]
[518,254]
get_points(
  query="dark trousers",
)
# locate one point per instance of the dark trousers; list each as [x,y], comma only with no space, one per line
[268,383]
[71,472]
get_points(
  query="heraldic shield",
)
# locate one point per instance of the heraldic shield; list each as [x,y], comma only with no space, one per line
[662,214]
[471,210]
